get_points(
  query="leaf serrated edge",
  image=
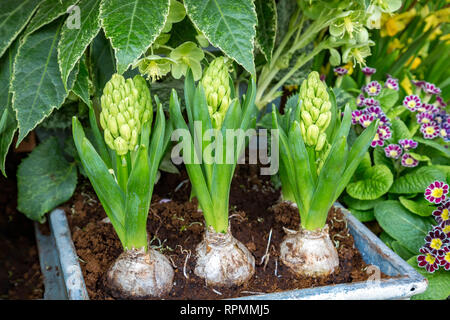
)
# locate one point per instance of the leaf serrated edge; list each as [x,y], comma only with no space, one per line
[165,15]
[217,46]
[63,32]
[258,45]
[13,92]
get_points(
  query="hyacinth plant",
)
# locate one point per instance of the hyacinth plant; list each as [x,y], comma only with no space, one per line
[123,179]
[316,164]
[213,108]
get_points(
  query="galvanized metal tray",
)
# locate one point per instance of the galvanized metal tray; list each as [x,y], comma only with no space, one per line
[57,252]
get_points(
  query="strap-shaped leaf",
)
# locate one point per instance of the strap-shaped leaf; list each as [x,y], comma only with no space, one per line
[137,201]
[132,26]
[14,16]
[74,41]
[37,85]
[228,25]
[104,184]
[49,10]
[266,29]
[157,144]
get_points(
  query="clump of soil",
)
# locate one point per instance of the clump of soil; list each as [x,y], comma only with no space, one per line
[176,227]
[20,273]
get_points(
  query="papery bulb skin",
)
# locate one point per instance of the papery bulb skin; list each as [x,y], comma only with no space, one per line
[216,84]
[315,111]
[137,274]
[222,260]
[309,253]
[126,105]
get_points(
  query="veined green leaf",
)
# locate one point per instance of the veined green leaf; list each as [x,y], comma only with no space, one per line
[407,228]
[45,179]
[266,29]
[399,131]
[388,98]
[420,206]
[361,205]
[102,62]
[363,216]
[438,283]
[74,41]
[81,86]
[374,183]
[434,145]
[37,85]
[14,16]
[132,26]
[403,252]
[379,157]
[417,181]
[49,10]
[228,25]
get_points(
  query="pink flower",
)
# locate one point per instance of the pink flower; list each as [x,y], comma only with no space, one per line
[384,132]
[340,71]
[430,89]
[444,261]
[441,101]
[427,260]
[365,120]
[373,111]
[393,151]
[436,192]
[412,102]
[424,118]
[368,71]
[377,141]
[436,240]
[408,144]
[356,115]
[429,130]
[384,121]
[391,83]
[409,161]
[373,88]
[369,102]
[441,213]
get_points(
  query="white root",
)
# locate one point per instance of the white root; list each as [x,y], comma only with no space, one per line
[222,260]
[137,274]
[309,253]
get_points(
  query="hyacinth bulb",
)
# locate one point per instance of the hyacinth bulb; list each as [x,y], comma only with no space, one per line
[216,84]
[315,111]
[126,105]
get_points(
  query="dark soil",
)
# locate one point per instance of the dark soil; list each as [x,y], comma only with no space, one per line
[20,273]
[175,228]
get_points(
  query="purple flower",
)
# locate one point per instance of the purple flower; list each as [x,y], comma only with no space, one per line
[356,115]
[323,77]
[424,118]
[441,101]
[428,108]
[444,132]
[377,141]
[360,100]
[440,117]
[368,71]
[427,260]
[444,261]
[369,102]
[373,88]
[374,111]
[445,226]
[442,213]
[408,144]
[436,240]
[393,151]
[419,84]
[436,192]
[384,121]
[429,130]
[365,120]
[384,132]
[391,83]
[412,102]
[430,89]
[409,161]
[340,71]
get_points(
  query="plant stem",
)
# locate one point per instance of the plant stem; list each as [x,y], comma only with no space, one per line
[122,172]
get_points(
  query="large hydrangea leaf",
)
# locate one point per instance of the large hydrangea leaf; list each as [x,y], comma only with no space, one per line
[266,29]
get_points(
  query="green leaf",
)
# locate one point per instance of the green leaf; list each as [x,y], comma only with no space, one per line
[420,206]
[361,205]
[399,131]
[228,25]
[403,252]
[45,179]
[49,10]
[405,227]
[363,216]
[102,62]
[374,183]
[81,86]
[74,41]
[37,85]
[435,145]
[387,98]
[386,238]
[417,181]
[266,29]
[438,283]
[14,16]
[379,157]
[132,26]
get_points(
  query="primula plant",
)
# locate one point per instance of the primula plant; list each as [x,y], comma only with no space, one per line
[317,162]
[212,110]
[135,149]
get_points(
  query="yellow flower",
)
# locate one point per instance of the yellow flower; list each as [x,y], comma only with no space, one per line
[394,44]
[349,67]
[445,38]
[414,63]
[325,69]
[396,23]
[406,85]
[440,16]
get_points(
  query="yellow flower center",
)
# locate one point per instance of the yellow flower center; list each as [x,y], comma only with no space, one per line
[437,192]
[411,104]
[373,89]
[436,243]
[367,123]
[409,160]
[153,71]
[393,153]
[383,132]
[447,257]
[425,120]
[444,214]
[443,132]
[430,130]
[430,259]
[446,229]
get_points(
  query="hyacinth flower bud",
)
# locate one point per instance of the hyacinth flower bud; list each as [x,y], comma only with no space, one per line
[216,84]
[126,105]
[315,111]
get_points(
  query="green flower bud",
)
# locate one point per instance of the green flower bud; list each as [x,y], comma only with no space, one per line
[109,139]
[216,84]
[112,126]
[321,141]
[306,117]
[121,146]
[125,132]
[312,134]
